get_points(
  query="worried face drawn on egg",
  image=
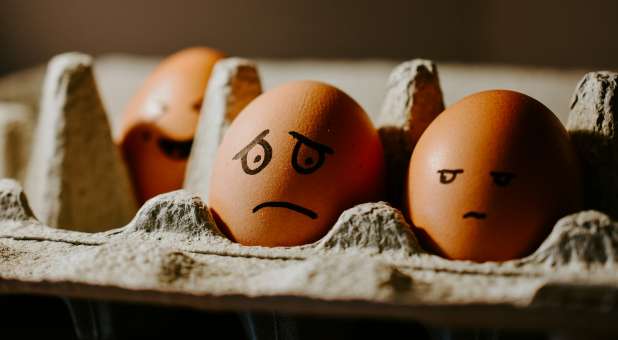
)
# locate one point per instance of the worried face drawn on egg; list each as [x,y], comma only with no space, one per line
[490,176]
[291,162]
[160,121]
[306,166]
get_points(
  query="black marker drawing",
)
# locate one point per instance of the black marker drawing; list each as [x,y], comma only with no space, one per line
[448,175]
[309,165]
[175,149]
[287,205]
[262,161]
[197,105]
[501,178]
[146,135]
[475,214]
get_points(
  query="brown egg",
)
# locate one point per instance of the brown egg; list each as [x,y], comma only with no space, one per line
[160,121]
[490,176]
[291,162]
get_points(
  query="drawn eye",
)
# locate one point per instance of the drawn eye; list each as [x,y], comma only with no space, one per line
[146,135]
[502,179]
[259,158]
[448,175]
[197,106]
[174,149]
[310,160]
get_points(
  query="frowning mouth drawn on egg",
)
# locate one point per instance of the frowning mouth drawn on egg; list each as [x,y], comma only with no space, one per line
[175,149]
[475,214]
[287,205]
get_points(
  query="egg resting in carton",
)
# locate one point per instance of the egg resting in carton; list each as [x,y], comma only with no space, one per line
[369,263]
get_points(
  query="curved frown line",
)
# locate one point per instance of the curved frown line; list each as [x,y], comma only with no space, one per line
[279,204]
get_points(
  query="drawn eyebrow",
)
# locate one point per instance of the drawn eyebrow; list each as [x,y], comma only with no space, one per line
[249,146]
[313,144]
[450,171]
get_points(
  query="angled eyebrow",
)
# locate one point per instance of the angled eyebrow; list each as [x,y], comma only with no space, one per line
[453,171]
[249,146]
[318,146]
[502,173]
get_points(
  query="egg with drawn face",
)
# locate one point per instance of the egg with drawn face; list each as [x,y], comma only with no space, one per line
[160,121]
[490,176]
[291,162]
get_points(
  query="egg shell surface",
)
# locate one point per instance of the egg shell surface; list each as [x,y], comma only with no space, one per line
[490,176]
[291,162]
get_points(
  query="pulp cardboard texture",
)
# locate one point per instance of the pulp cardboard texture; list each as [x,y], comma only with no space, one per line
[592,125]
[15,134]
[369,264]
[413,99]
[76,178]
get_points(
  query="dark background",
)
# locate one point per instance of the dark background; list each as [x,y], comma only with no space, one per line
[551,32]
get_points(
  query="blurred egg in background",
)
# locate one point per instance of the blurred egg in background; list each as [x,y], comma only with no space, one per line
[159,122]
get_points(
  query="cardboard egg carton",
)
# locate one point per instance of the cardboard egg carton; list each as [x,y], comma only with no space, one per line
[369,264]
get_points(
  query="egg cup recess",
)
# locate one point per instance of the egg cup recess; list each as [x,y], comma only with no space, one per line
[173,252]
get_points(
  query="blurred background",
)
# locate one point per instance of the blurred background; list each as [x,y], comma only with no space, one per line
[565,34]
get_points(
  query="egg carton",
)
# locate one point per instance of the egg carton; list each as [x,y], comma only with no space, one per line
[369,264]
